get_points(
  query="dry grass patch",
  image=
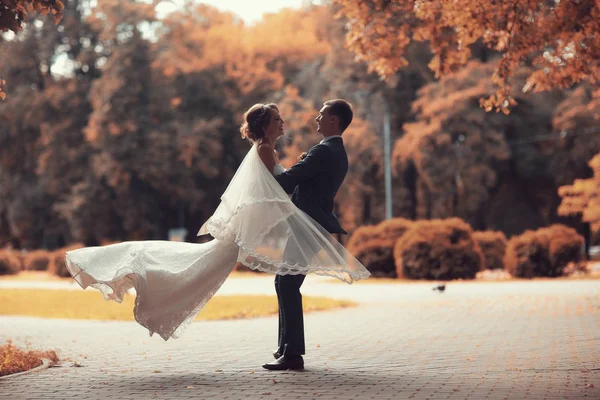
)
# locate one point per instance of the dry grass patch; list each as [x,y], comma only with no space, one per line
[14,360]
[79,304]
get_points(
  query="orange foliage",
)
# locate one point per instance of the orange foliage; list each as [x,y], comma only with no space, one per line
[438,249]
[558,38]
[493,247]
[14,12]
[14,360]
[583,197]
[300,126]
[254,56]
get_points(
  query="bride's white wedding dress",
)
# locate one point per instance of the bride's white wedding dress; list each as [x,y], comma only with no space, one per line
[255,224]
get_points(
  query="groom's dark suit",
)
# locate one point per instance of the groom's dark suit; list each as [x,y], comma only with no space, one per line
[314,182]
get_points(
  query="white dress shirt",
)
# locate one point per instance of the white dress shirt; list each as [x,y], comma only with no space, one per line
[329,138]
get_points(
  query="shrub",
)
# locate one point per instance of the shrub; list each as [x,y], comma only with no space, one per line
[36,260]
[438,249]
[373,245]
[58,265]
[10,262]
[360,236]
[545,252]
[565,246]
[493,247]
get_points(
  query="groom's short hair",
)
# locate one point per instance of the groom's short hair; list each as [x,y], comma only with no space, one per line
[341,109]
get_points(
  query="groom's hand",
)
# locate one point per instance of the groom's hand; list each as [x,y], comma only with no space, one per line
[306,169]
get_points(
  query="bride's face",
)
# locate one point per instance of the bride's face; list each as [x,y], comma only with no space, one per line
[275,128]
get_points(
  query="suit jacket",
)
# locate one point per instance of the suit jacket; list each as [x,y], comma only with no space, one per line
[315,180]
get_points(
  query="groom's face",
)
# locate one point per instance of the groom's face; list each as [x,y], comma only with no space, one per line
[324,121]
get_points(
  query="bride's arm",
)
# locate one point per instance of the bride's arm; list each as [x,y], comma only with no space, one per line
[267,155]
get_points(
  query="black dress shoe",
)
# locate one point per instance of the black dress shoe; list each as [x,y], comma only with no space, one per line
[285,362]
[277,354]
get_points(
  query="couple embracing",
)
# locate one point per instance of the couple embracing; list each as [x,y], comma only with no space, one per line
[269,219]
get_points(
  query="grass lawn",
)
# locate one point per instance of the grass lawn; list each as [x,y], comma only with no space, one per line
[31,276]
[40,276]
[89,304]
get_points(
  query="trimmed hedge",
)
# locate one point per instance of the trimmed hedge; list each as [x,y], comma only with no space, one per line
[58,265]
[493,246]
[10,262]
[373,245]
[36,260]
[545,252]
[439,250]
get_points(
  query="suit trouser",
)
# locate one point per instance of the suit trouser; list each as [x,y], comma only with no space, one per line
[291,319]
[289,298]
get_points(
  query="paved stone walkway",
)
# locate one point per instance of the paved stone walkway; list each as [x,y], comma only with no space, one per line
[506,340]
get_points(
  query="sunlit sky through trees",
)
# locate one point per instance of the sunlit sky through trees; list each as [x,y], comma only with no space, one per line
[249,10]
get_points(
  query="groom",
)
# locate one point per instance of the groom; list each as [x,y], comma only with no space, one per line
[314,182]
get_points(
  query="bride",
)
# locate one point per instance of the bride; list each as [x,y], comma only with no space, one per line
[255,224]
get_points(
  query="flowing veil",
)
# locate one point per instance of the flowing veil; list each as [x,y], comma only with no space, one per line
[273,235]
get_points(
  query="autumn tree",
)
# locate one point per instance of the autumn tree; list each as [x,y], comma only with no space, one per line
[576,133]
[361,199]
[336,75]
[582,198]
[299,115]
[558,40]
[22,198]
[118,131]
[257,59]
[464,162]
[44,150]
[63,161]
[13,14]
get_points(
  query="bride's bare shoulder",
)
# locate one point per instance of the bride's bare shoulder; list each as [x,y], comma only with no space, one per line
[267,155]
[265,149]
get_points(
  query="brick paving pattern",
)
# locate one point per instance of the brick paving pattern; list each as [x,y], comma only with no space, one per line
[505,340]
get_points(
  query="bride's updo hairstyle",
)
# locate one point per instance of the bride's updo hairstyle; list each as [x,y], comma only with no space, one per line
[256,120]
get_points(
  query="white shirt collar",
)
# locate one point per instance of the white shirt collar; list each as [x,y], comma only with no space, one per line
[329,138]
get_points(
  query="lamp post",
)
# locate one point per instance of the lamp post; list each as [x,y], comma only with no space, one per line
[387,162]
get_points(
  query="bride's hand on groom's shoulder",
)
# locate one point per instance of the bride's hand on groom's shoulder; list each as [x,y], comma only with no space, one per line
[302,156]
